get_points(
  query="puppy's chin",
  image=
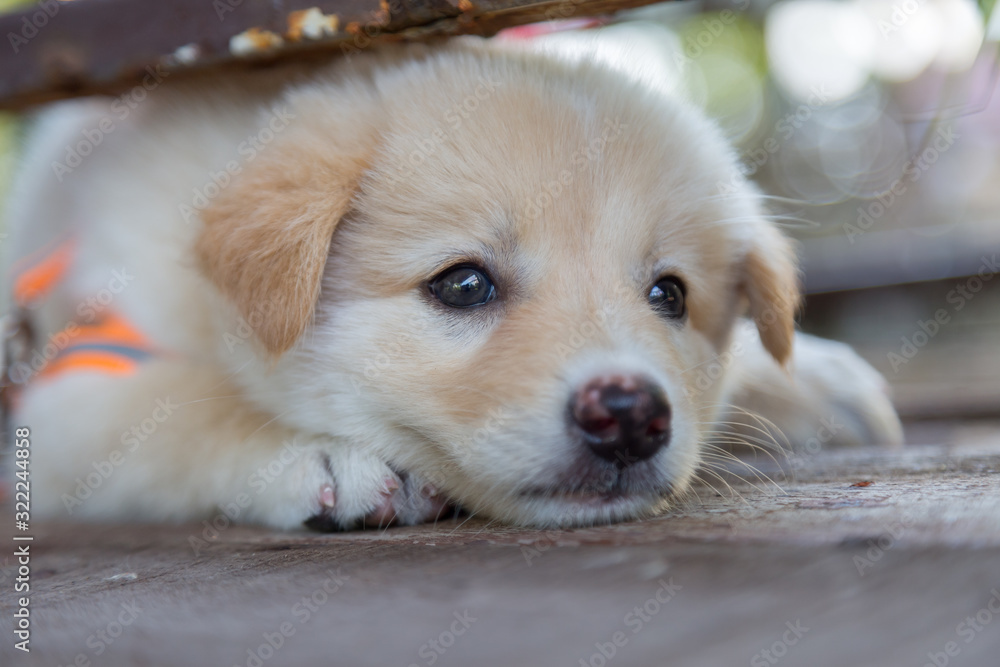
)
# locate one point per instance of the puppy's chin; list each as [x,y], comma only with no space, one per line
[568,509]
[555,494]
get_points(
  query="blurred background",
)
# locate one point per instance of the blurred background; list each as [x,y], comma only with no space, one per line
[874,126]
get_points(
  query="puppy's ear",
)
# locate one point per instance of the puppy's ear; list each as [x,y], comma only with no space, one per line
[771,283]
[266,237]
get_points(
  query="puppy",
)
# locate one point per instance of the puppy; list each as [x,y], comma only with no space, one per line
[363,292]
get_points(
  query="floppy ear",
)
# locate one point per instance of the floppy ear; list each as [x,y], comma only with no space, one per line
[772,288]
[266,237]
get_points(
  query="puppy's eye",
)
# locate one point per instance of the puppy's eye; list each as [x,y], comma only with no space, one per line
[667,297]
[463,287]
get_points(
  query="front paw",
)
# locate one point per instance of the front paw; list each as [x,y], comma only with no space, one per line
[327,486]
[407,500]
[344,489]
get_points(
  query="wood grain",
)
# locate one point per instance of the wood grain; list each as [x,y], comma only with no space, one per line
[63,49]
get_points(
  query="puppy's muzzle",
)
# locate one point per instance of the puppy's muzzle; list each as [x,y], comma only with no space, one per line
[623,418]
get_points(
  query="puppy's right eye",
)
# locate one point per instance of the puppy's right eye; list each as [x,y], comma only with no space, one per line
[667,297]
[463,287]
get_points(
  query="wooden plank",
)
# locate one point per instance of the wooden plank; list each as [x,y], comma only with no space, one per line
[873,575]
[60,49]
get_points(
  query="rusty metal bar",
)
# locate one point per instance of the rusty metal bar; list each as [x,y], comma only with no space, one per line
[61,48]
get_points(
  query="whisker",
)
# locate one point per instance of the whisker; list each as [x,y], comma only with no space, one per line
[753,442]
[715,470]
[469,518]
[489,523]
[766,426]
[267,423]
[724,456]
[209,398]
[754,449]
[731,492]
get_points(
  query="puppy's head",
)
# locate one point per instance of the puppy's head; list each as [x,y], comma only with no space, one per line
[504,274]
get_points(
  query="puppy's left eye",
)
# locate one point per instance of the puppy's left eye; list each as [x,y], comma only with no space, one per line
[667,297]
[463,287]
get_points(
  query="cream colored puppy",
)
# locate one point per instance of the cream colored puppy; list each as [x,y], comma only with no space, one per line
[348,294]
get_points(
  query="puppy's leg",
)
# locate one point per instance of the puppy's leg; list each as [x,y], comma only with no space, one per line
[177,442]
[828,397]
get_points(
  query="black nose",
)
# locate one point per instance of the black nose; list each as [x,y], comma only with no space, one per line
[624,419]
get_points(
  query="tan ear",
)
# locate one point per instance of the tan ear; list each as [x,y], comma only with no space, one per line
[772,287]
[266,237]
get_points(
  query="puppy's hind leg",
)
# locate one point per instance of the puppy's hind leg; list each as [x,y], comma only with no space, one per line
[176,441]
[828,397]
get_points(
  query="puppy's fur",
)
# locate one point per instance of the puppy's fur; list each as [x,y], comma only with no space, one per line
[301,349]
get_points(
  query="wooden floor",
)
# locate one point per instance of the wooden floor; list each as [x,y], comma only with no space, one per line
[827,570]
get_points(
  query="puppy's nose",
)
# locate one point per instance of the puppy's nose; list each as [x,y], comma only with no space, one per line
[623,418]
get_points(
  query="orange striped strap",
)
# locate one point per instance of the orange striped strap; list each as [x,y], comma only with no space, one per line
[111,345]
[36,275]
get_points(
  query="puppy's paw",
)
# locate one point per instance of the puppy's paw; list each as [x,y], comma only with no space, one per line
[332,487]
[407,501]
[831,398]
